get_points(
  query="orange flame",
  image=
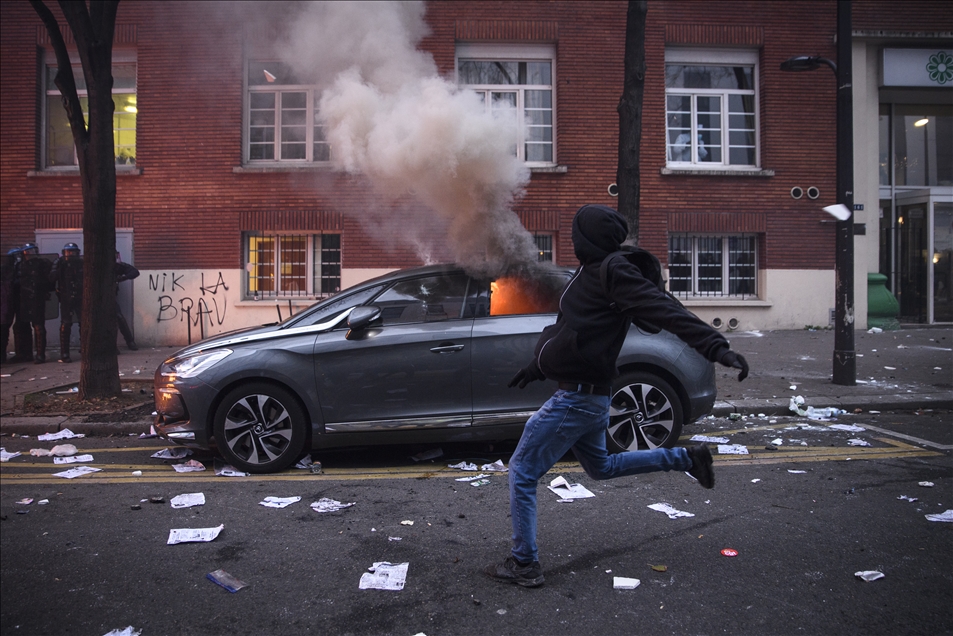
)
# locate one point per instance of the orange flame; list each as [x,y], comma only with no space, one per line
[512,296]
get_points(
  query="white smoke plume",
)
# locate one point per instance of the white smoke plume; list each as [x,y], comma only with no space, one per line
[428,149]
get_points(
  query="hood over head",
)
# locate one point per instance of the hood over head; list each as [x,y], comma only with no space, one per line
[597,231]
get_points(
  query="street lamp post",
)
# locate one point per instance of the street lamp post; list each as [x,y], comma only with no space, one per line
[845,360]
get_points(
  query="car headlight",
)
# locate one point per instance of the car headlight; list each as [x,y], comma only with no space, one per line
[194,365]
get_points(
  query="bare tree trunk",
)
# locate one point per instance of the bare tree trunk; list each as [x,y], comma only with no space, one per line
[93,28]
[630,117]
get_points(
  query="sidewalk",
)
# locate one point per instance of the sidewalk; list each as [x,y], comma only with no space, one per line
[907,369]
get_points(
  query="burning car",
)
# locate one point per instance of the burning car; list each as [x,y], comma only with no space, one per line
[418,355]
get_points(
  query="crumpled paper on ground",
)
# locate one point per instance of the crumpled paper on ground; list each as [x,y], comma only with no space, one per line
[670,511]
[188,500]
[5,456]
[946,516]
[385,576]
[193,535]
[190,466]
[172,453]
[279,502]
[73,460]
[565,490]
[325,504]
[64,434]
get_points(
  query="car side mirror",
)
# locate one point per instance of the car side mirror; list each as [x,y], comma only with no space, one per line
[361,318]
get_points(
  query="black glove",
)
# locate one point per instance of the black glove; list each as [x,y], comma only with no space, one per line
[731,359]
[527,374]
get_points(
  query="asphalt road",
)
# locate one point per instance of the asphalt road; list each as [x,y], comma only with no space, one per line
[87,562]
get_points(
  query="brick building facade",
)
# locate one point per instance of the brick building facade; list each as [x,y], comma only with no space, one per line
[227,222]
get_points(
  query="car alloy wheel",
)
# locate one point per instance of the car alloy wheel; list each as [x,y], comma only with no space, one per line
[644,413]
[260,428]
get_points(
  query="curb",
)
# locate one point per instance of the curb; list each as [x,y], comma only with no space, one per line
[778,407]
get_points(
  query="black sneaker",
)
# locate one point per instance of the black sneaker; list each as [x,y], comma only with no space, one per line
[512,571]
[701,465]
[132,346]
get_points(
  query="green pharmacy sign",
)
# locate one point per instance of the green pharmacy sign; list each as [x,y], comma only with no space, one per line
[940,67]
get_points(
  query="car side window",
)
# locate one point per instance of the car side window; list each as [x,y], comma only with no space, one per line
[428,299]
[511,296]
[333,307]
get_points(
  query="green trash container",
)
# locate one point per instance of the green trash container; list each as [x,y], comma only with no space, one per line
[882,307]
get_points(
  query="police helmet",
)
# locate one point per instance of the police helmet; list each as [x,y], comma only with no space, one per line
[71,247]
[13,251]
[30,248]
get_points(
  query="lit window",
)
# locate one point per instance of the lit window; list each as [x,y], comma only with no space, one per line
[544,247]
[711,109]
[292,265]
[516,83]
[282,116]
[60,151]
[713,266]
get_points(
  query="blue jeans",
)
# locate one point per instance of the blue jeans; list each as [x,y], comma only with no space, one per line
[577,421]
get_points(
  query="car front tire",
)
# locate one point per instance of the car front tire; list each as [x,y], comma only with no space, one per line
[644,413]
[259,428]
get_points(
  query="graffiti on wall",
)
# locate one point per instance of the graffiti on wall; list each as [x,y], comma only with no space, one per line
[204,304]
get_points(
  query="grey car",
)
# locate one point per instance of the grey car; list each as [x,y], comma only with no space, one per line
[420,355]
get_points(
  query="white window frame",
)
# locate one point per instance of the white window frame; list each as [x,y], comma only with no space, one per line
[311,122]
[514,53]
[313,278]
[714,57]
[120,57]
[726,264]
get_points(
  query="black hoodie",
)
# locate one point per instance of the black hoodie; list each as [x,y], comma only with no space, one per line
[583,345]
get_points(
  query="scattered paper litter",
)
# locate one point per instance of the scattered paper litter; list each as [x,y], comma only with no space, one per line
[869,575]
[670,511]
[857,442]
[5,456]
[623,583]
[305,462]
[188,500]
[172,453]
[226,580]
[710,440]
[946,517]
[26,501]
[72,460]
[406,522]
[128,631]
[797,472]
[190,466]
[279,502]
[479,482]
[850,428]
[777,441]
[329,505]
[385,576]
[226,470]
[63,450]
[152,432]
[64,434]
[565,490]
[732,449]
[925,484]
[463,466]
[79,471]
[495,467]
[755,480]
[906,498]
[471,477]
[193,535]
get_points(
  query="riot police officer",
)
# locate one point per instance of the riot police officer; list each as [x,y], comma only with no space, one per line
[9,296]
[124,272]
[34,292]
[67,277]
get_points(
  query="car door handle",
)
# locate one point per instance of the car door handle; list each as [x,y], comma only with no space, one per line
[448,348]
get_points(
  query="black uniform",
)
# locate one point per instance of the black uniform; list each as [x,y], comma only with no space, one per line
[124,271]
[34,291]
[67,277]
[9,297]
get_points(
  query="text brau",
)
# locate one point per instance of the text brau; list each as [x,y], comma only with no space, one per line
[208,302]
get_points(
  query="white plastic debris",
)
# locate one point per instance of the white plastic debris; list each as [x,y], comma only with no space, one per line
[623,583]
[755,480]
[875,330]
[63,450]
[495,467]
[850,428]
[188,500]
[824,414]
[906,498]
[190,466]
[777,441]
[471,478]
[670,511]
[463,466]
[385,576]
[79,471]
[73,460]
[797,472]
[565,490]
[857,442]
[732,449]
[406,522]
[279,502]
[710,440]
[869,575]
[172,453]
[137,473]
[5,456]
[946,517]
[64,434]
[925,484]
[329,505]
[226,470]
[128,631]
[193,535]
[795,405]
